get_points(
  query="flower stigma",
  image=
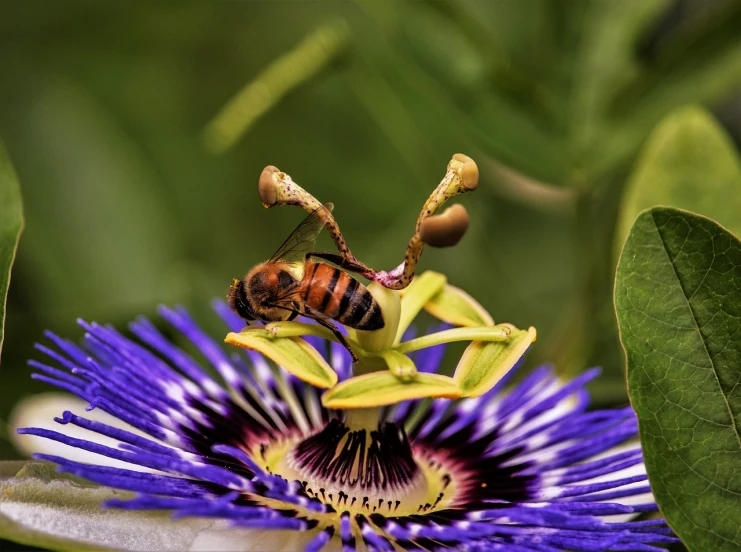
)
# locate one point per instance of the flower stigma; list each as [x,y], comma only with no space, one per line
[359,463]
[354,437]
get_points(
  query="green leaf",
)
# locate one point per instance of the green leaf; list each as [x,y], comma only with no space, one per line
[484,363]
[292,353]
[689,161]
[41,508]
[382,388]
[11,224]
[678,303]
[455,306]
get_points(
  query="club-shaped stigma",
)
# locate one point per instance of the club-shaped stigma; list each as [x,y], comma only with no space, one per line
[278,188]
[443,230]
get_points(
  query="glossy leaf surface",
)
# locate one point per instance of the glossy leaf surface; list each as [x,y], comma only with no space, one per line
[678,301]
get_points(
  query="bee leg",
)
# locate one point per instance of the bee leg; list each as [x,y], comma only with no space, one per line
[338,334]
[342,262]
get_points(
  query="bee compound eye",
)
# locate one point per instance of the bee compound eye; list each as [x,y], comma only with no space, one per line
[285,280]
[266,186]
[446,229]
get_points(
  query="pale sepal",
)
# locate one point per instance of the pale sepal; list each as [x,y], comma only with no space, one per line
[41,508]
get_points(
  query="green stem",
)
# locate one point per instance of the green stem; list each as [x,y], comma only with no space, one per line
[362,418]
[390,303]
[368,365]
[480,333]
[300,329]
[575,348]
[317,51]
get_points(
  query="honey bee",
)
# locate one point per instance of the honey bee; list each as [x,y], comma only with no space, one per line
[295,281]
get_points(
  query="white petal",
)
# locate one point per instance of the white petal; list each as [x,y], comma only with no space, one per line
[40,411]
[59,514]
[219,536]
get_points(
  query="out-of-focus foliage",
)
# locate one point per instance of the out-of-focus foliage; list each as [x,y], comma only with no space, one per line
[689,161]
[11,224]
[104,107]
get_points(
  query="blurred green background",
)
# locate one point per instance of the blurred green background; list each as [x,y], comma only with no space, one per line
[140,189]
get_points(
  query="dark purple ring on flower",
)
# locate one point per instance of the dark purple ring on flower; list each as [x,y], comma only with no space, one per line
[525,468]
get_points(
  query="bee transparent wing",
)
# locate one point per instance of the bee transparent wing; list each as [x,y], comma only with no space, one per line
[303,238]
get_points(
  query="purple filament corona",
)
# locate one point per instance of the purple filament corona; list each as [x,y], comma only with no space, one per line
[524,468]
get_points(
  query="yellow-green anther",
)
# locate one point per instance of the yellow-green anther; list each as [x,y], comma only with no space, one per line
[400,365]
[284,75]
[286,329]
[292,353]
[423,288]
[298,329]
[484,364]
[481,333]
[382,388]
[455,306]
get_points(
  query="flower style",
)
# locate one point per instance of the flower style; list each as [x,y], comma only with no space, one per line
[523,468]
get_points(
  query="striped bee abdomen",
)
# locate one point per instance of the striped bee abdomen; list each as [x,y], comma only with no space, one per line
[337,295]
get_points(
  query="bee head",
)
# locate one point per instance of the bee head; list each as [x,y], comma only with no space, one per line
[237,298]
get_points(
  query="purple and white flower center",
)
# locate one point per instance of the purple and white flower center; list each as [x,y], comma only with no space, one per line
[364,470]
